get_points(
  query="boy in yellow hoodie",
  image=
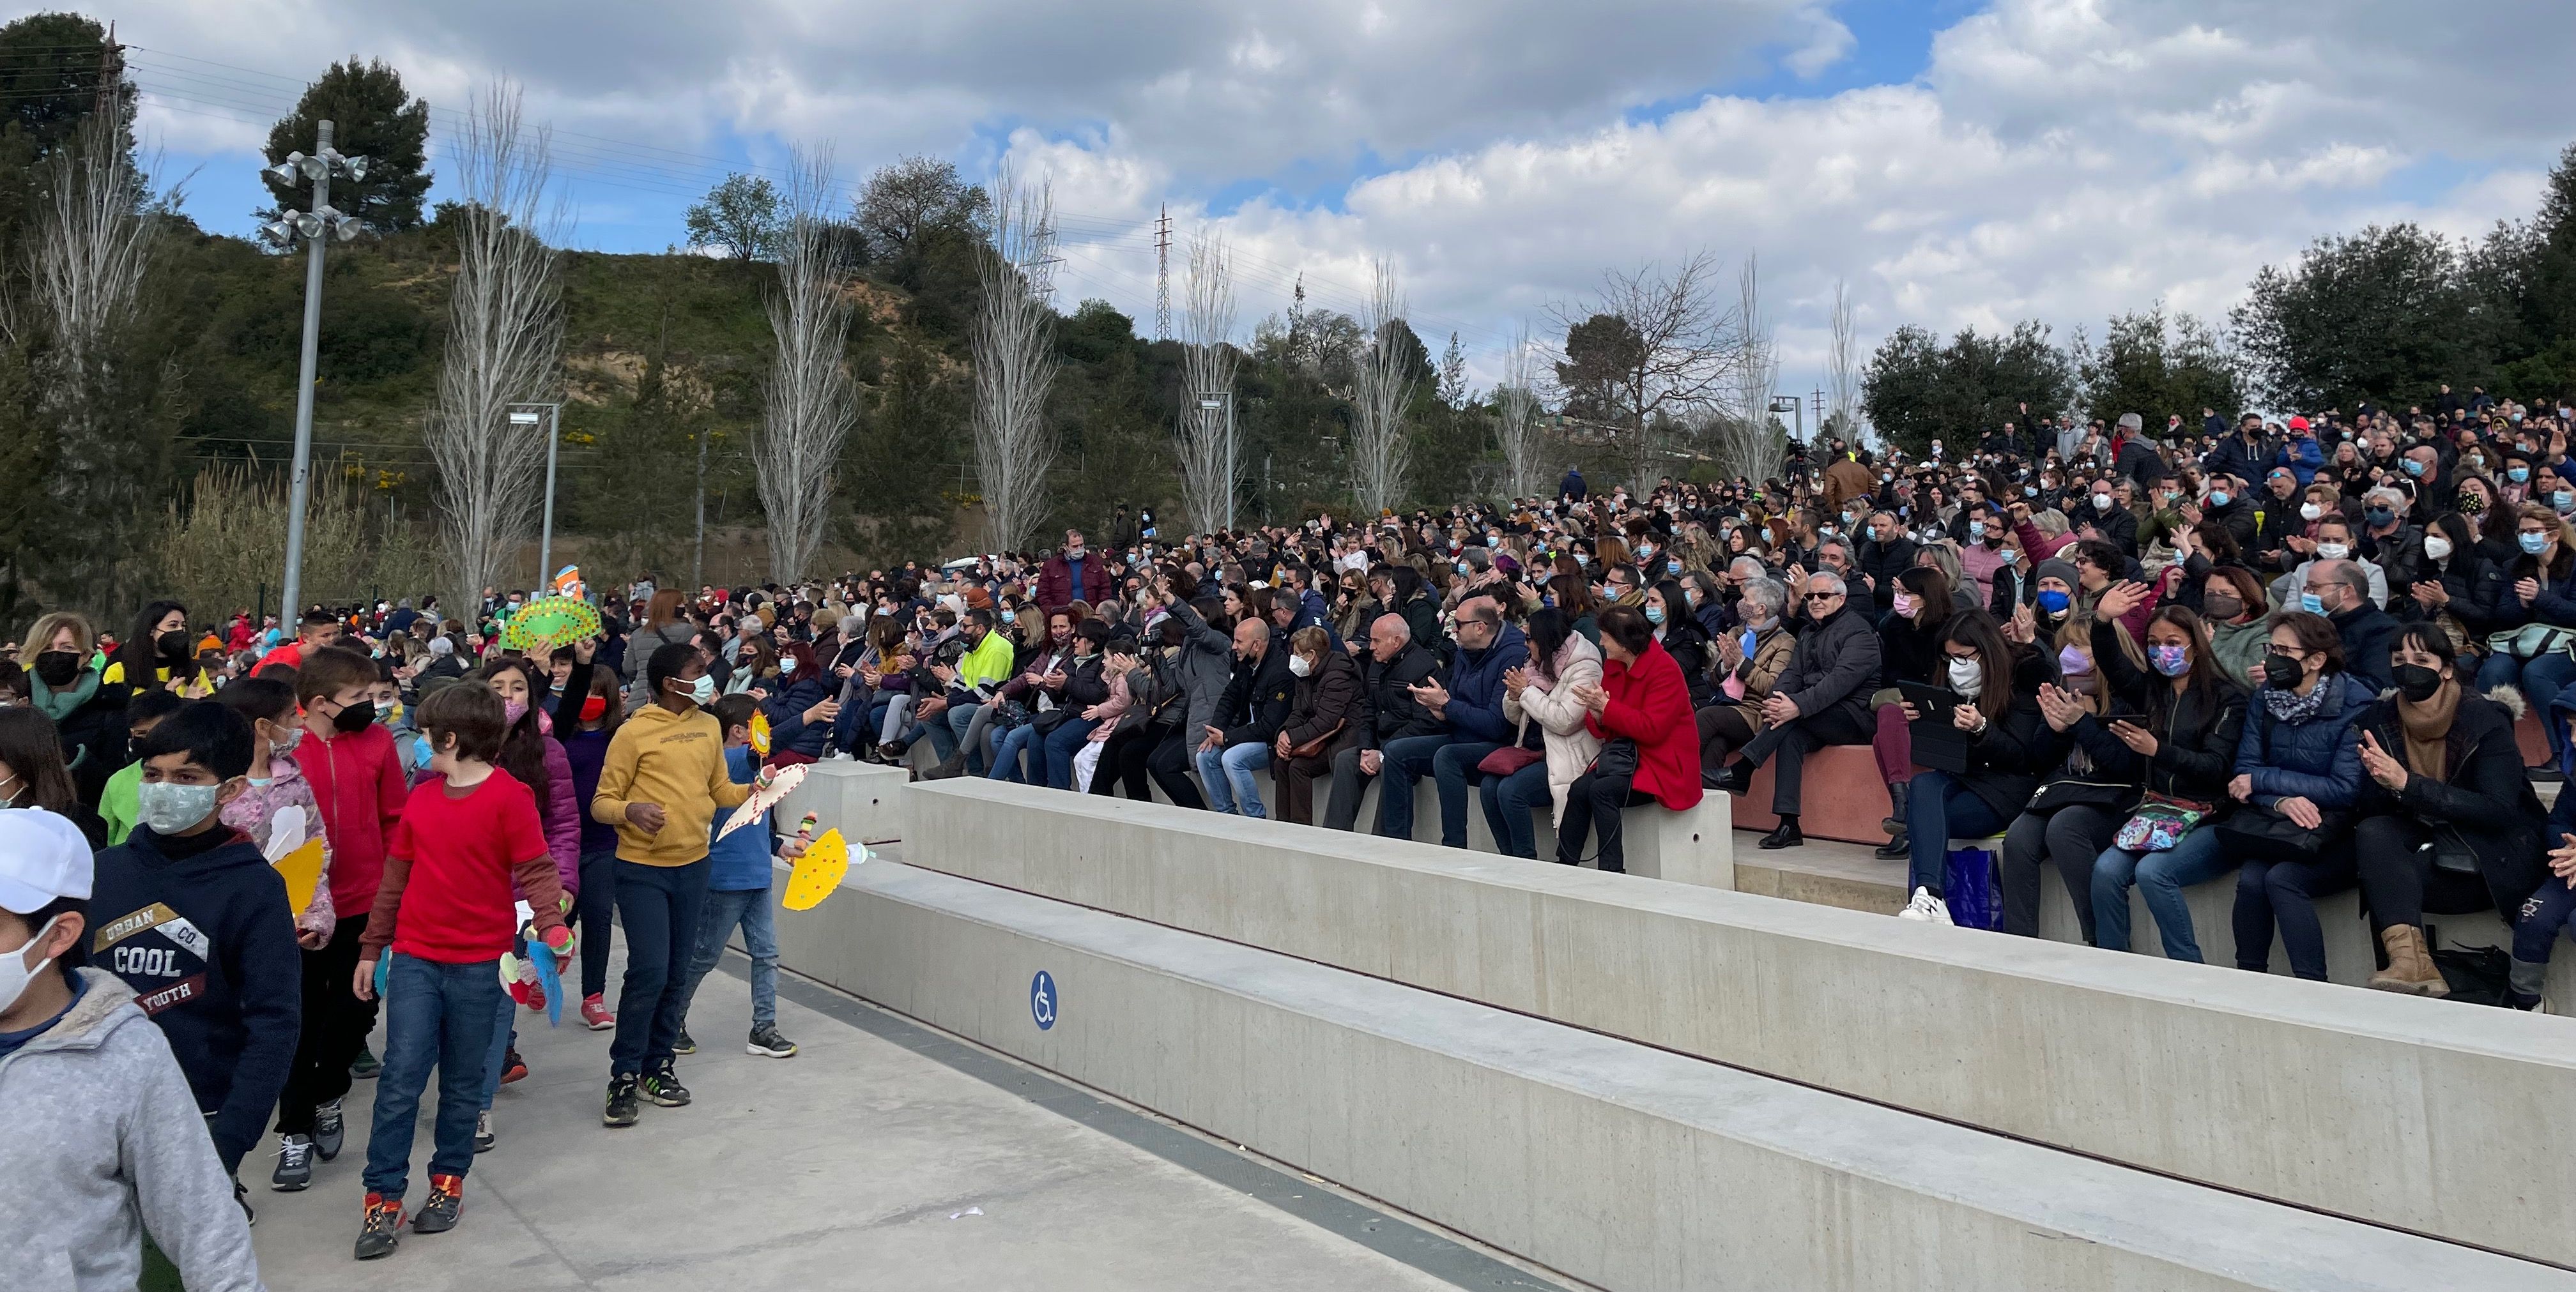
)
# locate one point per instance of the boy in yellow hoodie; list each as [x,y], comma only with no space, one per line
[661,784]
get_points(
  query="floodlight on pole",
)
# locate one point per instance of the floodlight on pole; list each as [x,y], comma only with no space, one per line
[1792,404]
[552,416]
[315,226]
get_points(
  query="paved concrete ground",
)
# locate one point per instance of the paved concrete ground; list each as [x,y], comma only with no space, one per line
[839,1168]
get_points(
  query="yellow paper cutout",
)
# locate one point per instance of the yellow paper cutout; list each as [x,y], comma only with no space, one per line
[760,734]
[818,872]
[302,870]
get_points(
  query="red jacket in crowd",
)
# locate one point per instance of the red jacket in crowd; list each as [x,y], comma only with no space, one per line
[358,784]
[1055,582]
[1650,704]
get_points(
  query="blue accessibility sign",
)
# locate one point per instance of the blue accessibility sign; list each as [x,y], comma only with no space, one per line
[1042,1000]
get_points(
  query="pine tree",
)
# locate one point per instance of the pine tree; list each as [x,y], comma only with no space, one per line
[372,117]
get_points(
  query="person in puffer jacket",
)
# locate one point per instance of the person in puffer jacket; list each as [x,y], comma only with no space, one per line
[2300,756]
[531,754]
[278,812]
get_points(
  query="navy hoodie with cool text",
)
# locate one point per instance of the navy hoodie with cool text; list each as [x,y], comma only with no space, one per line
[199,927]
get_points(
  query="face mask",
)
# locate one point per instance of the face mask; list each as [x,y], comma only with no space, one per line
[594,708]
[2055,602]
[2334,551]
[514,710]
[2411,467]
[2310,511]
[355,717]
[14,972]
[2172,661]
[2101,502]
[2416,682]
[1967,676]
[2073,662]
[2281,672]
[2312,603]
[1462,567]
[2437,547]
[2380,516]
[1672,567]
[2562,499]
[170,809]
[422,751]
[58,667]
[173,646]
[2030,491]
[2220,498]
[703,691]
[2517,474]
[2534,544]
[1581,561]
[1298,667]
[1905,602]
[1654,614]
[787,664]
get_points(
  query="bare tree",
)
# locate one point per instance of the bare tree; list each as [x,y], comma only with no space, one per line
[1649,347]
[1207,370]
[1015,363]
[505,333]
[1381,453]
[1746,442]
[1842,371]
[811,403]
[91,243]
[1516,399]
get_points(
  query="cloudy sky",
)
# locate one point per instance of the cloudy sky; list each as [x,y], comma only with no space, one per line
[1956,163]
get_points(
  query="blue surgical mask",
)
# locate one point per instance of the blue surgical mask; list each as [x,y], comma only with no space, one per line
[2517,474]
[2411,467]
[169,809]
[2054,601]
[1010,616]
[2562,499]
[1654,614]
[1674,567]
[2219,498]
[704,689]
[2172,661]
[2533,543]
[2311,603]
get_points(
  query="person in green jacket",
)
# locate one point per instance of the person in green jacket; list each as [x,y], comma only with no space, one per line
[116,803]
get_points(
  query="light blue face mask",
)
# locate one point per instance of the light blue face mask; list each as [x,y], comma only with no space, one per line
[2311,603]
[704,689]
[1654,614]
[2534,544]
[2219,498]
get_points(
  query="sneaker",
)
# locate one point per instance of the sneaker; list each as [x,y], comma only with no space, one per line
[686,1044]
[595,1015]
[381,1231]
[484,1139]
[294,1164]
[241,1194]
[766,1042]
[1925,908]
[329,1130]
[663,1087]
[513,1068]
[446,1199]
[621,1102]
[364,1068]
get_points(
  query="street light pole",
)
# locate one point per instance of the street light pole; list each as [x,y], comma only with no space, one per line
[316,226]
[526,415]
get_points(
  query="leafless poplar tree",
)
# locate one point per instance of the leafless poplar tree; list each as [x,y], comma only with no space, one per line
[1517,401]
[91,243]
[811,403]
[1015,364]
[505,332]
[1746,443]
[1842,371]
[1207,368]
[1650,346]
[1381,454]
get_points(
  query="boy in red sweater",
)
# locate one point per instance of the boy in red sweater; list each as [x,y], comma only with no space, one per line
[446,911]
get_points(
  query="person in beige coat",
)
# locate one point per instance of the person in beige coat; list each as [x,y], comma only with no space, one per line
[1539,701]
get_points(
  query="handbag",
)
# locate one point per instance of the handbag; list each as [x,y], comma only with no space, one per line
[2256,833]
[1617,758]
[1507,760]
[2450,851]
[1315,748]
[2159,823]
[2531,641]
[2067,792]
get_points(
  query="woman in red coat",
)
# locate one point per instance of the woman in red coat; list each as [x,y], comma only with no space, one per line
[1642,705]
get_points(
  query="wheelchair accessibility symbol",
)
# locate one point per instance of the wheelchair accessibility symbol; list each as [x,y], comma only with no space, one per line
[1042,1000]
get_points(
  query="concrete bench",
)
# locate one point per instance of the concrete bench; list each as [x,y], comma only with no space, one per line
[864,801]
[1619,1164]
[1842,798]
[2350,1101]
[1690,847]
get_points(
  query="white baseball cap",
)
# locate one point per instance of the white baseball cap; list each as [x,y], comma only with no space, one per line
[42,857]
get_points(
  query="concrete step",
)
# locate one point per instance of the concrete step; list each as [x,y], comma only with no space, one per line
[1620,1164]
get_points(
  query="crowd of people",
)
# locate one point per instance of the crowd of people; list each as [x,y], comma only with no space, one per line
[2294,650]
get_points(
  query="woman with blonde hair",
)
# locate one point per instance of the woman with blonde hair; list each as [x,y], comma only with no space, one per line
[63,682]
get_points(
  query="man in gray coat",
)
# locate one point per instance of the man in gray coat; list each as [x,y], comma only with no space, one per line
[1822,699]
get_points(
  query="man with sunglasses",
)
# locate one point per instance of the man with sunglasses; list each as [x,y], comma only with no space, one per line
[1822,699]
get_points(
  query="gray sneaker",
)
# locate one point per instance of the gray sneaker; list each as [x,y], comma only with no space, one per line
[766,1042]
[294,1164]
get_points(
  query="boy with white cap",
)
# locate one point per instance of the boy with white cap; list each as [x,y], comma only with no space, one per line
[103,1140]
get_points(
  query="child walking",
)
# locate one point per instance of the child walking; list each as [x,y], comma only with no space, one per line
[738,875]
[443,915]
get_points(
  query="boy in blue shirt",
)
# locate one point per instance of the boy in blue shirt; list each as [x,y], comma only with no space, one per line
[738,874]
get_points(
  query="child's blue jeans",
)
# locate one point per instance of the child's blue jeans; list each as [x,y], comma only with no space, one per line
[442,1016]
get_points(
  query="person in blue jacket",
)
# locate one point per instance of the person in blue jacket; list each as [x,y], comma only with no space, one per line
[1571,487]
[2300,755]
[2300,452]
[194,919]
[738,876]
[1472,706]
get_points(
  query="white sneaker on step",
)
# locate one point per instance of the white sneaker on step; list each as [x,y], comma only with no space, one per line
[1926,908]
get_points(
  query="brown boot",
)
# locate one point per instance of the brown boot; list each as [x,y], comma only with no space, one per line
[2410,967]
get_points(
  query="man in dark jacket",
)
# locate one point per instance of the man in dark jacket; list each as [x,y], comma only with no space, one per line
[2137,457]
[1472,705]
[1074,574]
[1571,487]
[193,918]
[1821,699]
[1395,664]
[1886,554]
[2244,454]
[2343,589]
[1248,716]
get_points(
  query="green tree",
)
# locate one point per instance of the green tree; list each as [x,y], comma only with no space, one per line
[925,231]
[373,117]
[2384,315]
[1601,354]
[1916,390]
[2158,365]
[740,217]
[50,66]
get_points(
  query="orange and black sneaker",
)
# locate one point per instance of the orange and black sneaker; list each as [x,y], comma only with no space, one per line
[446,1199]
[382,1229]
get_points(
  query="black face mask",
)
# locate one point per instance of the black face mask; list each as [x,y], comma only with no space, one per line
[356,718]
[174,646]
[2282,671]
[58,667]
[2416,682]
